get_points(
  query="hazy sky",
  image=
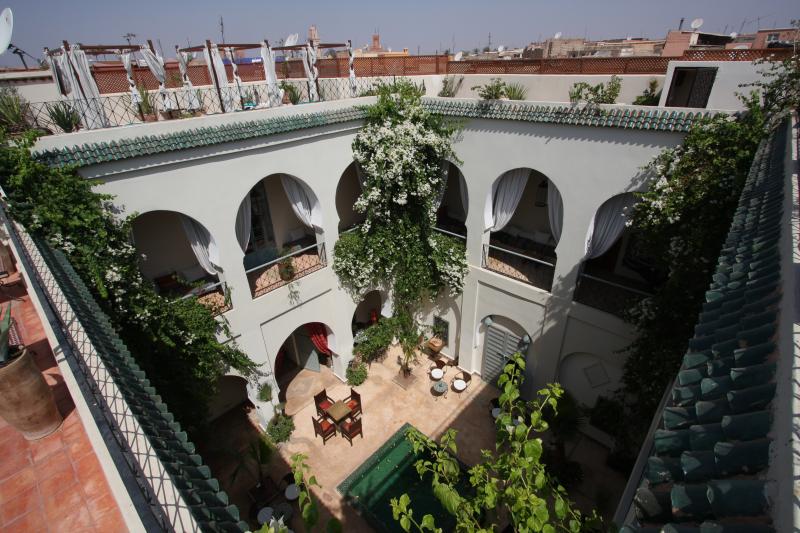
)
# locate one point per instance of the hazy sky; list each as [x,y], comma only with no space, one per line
[429,24]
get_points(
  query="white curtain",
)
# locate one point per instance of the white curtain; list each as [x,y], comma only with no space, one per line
[192,101]
[202,243]
[303,202]
[59,76]
[244,222]
[351,70]
[506,194]
[235,71]
[607,225]
[216,66]
[309,56]
[156,65]
[555,211]
[93,115]
[268,61]
[126,62]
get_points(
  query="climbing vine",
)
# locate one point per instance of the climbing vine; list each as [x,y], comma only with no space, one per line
[401,151]
[175,342]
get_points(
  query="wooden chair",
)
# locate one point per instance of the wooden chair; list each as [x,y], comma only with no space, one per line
[324,428]
[466,377]
[322,401]
[354,403]
[351,428]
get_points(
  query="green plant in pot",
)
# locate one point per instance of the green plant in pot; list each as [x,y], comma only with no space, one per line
[64,116]
[147,104]
[26,401]
[437,341]
[286,268]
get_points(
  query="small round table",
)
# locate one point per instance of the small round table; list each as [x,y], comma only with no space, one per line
[437,373]
[495,412]
[264,515]
[439,388]
[292,492]
[459,385]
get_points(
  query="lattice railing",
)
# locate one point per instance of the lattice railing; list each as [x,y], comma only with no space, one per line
[518,266]
[286,269]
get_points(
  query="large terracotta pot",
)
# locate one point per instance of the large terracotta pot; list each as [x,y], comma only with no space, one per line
[26,401]
[435,344]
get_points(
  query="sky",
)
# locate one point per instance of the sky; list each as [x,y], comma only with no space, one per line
[426,26]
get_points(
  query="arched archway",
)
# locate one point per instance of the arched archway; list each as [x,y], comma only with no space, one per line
[180,256]
[615,274]
[499,337]
[347,192]
[452,212]
[279,229]
[368,311]
[231,393]
[524,213]
[588,376]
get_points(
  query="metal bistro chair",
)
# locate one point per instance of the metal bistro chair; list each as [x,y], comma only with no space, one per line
[322,401]
[351,428]
[354,403]
[324,428]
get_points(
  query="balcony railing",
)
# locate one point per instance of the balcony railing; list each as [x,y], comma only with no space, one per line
[606,295]
[119,110]
[215,297]
[451,233]
[283,270]
[515,265]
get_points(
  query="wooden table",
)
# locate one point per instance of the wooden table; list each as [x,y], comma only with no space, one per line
[338,412]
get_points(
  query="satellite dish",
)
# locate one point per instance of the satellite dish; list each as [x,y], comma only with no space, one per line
[557,35]
[458,56]
[741,47]
[501,48]
[291,40]
[734,35]
[6,25]
[696,23]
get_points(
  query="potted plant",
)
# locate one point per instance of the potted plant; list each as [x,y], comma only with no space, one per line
[286,267]
[147,105]
[436,343]
[64,116]
[26,401]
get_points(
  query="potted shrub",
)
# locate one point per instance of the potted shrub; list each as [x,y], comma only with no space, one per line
[26,401]
[436,343]
[147,106]
[286,267]
[64,116]
[494,90]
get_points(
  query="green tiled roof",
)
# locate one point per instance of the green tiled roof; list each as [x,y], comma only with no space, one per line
[201,492]
[622,117]
[659,119]
[710,453]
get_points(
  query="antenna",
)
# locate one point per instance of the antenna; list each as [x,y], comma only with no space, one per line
[696,23]
[222,28]
[129,37]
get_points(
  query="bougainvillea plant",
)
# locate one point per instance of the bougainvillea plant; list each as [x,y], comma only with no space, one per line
[402,152]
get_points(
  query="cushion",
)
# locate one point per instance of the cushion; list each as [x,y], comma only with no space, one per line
[325,425]
[352,404]
[324,404]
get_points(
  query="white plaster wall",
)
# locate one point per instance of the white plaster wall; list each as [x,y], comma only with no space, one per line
[587,164]
[555,87]
[730,75]
[33,85]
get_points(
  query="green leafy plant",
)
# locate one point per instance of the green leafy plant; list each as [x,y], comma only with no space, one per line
[602,93]
[650,96]
[291,92]
[374,340]
[64,116]
[265,392]
[356,373]
[147,101]
[286,269]
[450,86]
[280,428]
[494,90]
[400,149]
[176,342]
[13,111]
[258,456]
[516,91]
[308,505]
[780,83]
[5,326]
[511,483]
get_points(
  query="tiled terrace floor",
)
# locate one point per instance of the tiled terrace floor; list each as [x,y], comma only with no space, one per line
[55,483]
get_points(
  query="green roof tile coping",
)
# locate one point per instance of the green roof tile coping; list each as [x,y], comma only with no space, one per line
[626,117]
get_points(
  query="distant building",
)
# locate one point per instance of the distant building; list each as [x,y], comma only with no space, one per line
[678,41]
[375,49]
[776,37]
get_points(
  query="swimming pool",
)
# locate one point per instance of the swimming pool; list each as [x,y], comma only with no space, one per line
[387,474]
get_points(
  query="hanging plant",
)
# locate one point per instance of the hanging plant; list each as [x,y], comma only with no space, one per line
[402,150]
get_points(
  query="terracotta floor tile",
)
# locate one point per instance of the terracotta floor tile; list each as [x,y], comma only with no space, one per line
[25,502]
[41,448]
[15,485]
[101,508]
[111,521]
[91,477]
[56,505]
[53,463]
[59,481]
[32,522]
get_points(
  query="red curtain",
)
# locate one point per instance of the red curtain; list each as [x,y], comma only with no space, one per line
[319,336]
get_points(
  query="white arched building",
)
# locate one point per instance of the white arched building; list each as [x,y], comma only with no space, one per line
[532,182]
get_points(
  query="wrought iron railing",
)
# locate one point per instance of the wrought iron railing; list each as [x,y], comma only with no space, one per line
[606,295]
[518,266]
[283,270]
[216,297]
[120,110]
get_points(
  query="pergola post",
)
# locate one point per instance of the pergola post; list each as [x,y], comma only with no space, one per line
[214,76]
